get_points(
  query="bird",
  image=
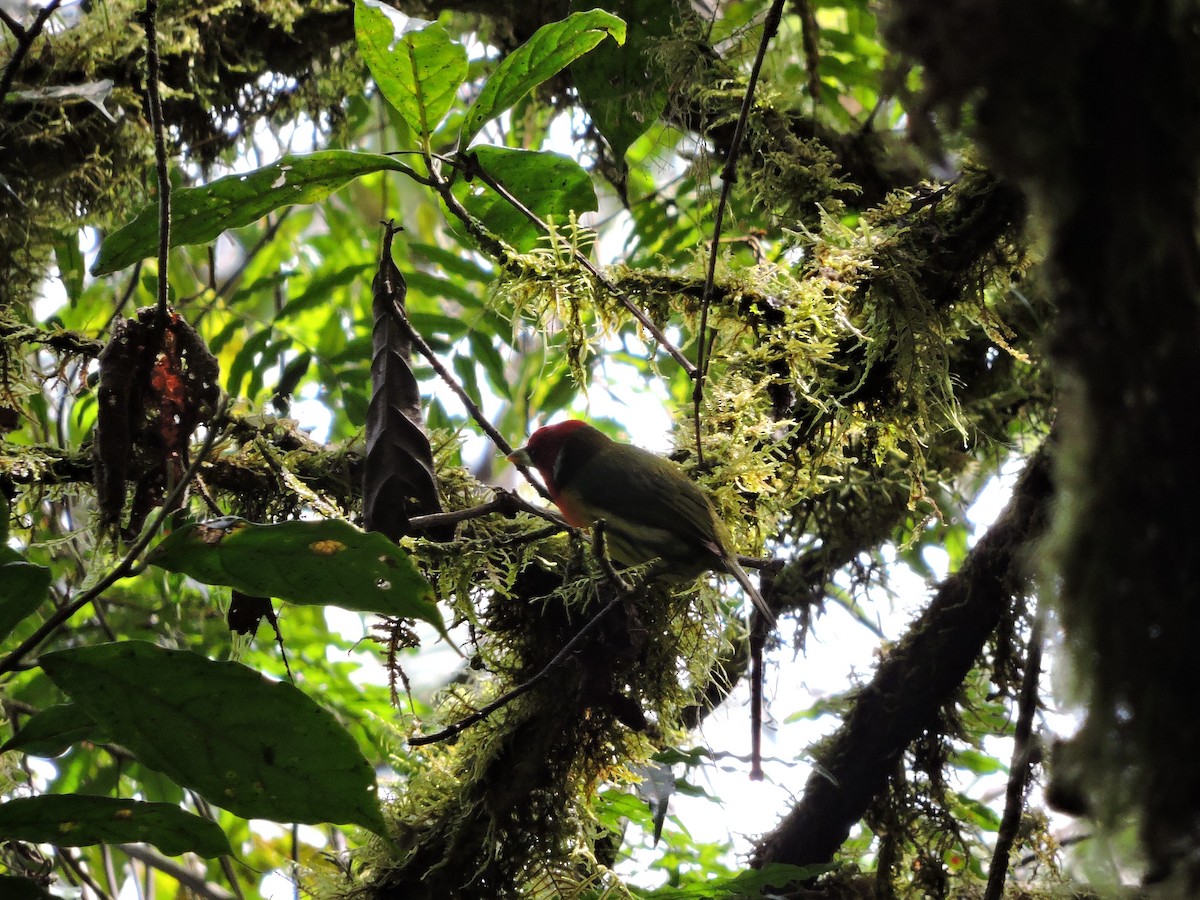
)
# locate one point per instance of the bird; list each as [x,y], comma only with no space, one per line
[650,508]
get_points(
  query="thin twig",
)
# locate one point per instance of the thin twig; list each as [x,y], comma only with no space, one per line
[189,880]
[160,156]
[487,241]
[110,870]
[126,294]
[218,292]
[810,36]
[1018,772]
[128,565]
[11,21]
[644,320]
[624,591]
[728,177]
[472,407]
[76,866]
[600,550]
[504,502]
[25,39]
[203,807]
[758,638]
[522,688]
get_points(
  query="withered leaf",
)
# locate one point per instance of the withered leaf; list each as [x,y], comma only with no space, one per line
[398,476]
[158,382]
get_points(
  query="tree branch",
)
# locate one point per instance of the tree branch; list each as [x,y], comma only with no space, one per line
[154,100]
[914,681]
[128,565]
[25,39]
[189,880]
[1022,761]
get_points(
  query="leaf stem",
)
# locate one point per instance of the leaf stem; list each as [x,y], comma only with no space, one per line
[472,407]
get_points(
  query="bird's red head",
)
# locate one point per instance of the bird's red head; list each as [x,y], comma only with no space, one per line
[559,451]
[547,442]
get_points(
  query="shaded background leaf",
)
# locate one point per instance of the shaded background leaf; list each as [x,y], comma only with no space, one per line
[52,731]
[623,86]
[23,588]
[80,821]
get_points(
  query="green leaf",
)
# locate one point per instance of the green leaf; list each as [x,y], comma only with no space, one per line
[54,730]
[419,73]
[246,360]
[75,820]
[486,355]
[979,763]
[552,48]
[69,259]
[549,184]
[200,214]
[258,748]
[454,263]
[979,814]
[312,563]
[624,87]
[23,587]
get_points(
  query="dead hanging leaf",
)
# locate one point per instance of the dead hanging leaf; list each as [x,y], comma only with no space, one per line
[245,614]
[158,382]
[398,477]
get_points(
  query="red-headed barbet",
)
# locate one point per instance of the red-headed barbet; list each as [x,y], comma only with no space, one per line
[651,509]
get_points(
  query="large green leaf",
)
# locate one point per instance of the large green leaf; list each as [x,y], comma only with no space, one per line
[54,730]
[419,72]
[202,213]
[258,748]
[550,185]
[624,86]
[78,820]
[23,587]
[551,49]
[318,563]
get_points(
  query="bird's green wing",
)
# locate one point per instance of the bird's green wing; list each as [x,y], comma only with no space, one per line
[649,498]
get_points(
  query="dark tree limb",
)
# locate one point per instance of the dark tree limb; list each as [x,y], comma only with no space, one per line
[914,682]
[25,39]
[1022,761]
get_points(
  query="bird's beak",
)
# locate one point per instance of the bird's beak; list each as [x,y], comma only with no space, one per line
[520,455]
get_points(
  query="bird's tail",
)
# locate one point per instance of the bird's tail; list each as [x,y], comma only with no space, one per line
[749,586]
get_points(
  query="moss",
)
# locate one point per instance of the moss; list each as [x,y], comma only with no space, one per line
[508,802]
[69,166]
